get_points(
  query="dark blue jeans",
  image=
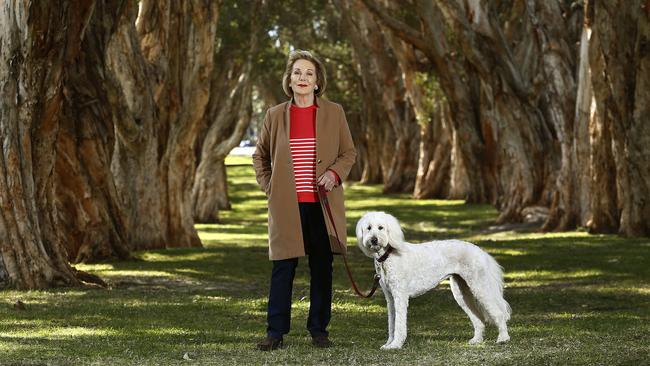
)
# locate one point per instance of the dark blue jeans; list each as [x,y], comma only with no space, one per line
[318,249]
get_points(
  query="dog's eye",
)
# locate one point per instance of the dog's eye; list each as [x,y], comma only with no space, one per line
[381,228]
[369,227]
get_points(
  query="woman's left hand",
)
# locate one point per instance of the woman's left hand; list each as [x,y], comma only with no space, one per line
[327,180]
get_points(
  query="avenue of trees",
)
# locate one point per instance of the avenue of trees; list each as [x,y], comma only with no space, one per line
[116,116]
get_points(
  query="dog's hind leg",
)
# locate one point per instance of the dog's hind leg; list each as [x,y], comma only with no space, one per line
[491,300]
[497,315]
[391,317]
[467,302]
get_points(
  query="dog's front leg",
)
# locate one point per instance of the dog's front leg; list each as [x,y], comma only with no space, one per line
[391,317]
[400,306]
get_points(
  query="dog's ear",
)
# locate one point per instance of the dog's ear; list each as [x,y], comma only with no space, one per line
[359,231]
[394,231]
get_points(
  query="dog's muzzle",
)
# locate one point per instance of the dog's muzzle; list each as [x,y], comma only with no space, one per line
[373,244]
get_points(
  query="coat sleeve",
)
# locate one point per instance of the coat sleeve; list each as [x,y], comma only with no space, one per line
[262,155]
[347,153]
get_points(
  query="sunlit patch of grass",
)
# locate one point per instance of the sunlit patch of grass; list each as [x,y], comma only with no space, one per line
[191,256]
[508,252]
[133,273]
[238,160]
[552,278]
[231,237]
[60,333]
[514,235]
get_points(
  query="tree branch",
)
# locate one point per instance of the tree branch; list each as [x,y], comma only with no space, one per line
[401,29]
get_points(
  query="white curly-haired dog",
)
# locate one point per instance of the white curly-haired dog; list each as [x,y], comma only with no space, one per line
[409,270]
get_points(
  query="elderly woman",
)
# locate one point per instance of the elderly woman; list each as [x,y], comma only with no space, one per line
[304,143]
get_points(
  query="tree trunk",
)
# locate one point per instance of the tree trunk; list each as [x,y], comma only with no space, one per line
[606,177]
[570,204]
[89,215]
[229,112]
[210,192]
[177,40]
[619,57]
[391,131]
[135,164]
[440,170]
[434,168]
[455,83]
[41,62]
[511,91]
[496,81]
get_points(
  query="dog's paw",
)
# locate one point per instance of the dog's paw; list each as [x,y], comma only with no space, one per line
[475,340]
[390,346]
[503,338]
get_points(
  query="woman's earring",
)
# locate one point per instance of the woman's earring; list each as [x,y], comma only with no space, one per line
[316,88]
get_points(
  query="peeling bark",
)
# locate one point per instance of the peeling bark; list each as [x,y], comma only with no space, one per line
[136,157]
[177,39]
[619,58]
[50,119]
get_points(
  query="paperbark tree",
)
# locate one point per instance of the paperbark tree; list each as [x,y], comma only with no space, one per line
[502,107]
[622,96]
[177,39]
[455,81]
[210,192]
[615,89]
[90,219]
[136,162]
[230,108]
[440,171]
[51,119]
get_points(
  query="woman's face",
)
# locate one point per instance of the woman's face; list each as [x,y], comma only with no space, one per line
[303,77]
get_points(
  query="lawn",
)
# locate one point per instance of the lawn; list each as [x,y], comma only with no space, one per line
[577,299]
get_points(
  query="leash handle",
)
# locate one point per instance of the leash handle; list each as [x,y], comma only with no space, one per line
[323,198]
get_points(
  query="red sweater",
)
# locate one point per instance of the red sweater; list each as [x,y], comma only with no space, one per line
[302,139]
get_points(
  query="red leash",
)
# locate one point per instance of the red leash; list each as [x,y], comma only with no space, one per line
[323,198]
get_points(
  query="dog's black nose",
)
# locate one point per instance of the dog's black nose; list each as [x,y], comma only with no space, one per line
[373,240]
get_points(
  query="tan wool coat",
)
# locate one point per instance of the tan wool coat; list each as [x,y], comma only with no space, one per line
[274,173]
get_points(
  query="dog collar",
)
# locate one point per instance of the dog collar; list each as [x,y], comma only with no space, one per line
[384,256]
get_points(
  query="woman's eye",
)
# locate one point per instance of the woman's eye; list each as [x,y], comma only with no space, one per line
[381,228]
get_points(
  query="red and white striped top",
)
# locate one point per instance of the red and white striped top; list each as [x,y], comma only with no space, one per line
[302,140]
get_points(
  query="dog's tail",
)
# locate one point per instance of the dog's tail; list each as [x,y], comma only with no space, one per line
[494,279]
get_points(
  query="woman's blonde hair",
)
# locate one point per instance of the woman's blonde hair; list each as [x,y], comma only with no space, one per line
[321,76]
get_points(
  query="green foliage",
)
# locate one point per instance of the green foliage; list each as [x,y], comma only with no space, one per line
[576,298]
[312,25]
[432,96]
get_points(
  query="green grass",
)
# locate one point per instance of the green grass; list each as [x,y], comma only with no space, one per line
[576,298]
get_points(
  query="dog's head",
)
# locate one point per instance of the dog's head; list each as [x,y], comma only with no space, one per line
[375,230]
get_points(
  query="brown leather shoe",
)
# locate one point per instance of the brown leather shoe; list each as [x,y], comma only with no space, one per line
[321,342]
[269,344]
